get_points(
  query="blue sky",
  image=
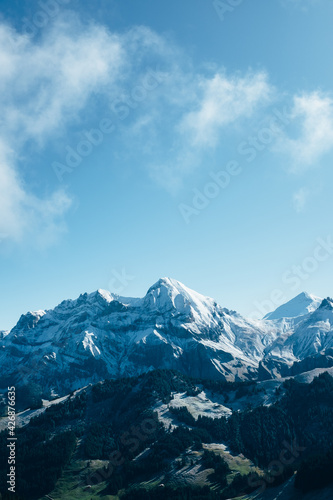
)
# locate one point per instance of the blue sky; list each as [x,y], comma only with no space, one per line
[187,139]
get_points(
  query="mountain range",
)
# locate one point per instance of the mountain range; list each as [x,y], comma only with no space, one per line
[103,335]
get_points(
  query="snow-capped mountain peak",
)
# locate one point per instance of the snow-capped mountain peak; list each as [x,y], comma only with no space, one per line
[301,305]
[169,294]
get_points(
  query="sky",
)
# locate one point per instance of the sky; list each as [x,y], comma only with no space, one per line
[188,139]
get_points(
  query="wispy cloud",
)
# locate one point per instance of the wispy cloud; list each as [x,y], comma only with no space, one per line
[45,87]
[22,213]
[313,114]
[46,84]
[222,100]
[214,103]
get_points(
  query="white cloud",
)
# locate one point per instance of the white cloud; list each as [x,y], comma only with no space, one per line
[44,85]
[223,100]
[23,214]
[313,112]
[44,88]
[209,106]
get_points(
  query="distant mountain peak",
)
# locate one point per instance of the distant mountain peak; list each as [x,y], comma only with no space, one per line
[302,304]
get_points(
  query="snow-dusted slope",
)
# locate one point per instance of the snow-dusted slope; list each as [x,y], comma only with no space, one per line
[101,335]
[301,305]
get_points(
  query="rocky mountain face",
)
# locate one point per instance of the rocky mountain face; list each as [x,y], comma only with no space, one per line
[102,335]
